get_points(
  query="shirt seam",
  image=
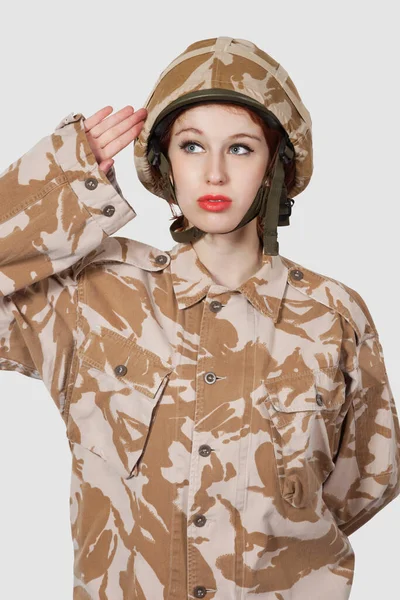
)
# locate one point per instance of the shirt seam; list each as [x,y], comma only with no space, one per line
[81,292]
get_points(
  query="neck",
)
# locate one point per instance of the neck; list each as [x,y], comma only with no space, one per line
[233,257]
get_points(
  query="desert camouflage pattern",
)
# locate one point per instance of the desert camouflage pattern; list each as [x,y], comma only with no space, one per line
[225,442]
[238,65]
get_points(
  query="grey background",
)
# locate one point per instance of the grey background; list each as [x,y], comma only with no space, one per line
[67,57]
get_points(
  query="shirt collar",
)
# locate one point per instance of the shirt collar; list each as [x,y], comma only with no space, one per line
[191,281]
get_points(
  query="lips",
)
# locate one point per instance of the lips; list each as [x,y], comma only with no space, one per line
[214,202]
[214,198]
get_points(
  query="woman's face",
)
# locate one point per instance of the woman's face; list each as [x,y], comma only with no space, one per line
[216,151]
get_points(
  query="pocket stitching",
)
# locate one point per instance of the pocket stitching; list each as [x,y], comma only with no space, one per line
[337,387]
[282,419]
[163,368]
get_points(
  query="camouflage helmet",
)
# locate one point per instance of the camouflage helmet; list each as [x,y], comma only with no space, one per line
[230,70]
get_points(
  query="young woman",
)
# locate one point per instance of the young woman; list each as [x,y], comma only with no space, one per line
[228,411]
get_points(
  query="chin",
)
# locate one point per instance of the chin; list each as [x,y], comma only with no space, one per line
[215,222]
[212,220]
[207,228]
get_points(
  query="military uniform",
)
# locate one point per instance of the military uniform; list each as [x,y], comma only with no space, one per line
[225,442]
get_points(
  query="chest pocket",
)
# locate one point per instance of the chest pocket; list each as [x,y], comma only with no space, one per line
[305,412]
[116,390]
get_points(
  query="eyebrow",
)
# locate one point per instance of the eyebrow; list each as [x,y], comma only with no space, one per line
[231,137]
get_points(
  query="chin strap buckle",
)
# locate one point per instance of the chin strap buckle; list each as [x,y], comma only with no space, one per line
[153,156]
[285,211]
[286,152]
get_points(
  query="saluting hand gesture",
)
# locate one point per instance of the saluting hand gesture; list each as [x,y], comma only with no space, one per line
[108,136]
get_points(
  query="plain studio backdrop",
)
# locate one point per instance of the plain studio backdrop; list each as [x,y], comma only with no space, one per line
[67,57]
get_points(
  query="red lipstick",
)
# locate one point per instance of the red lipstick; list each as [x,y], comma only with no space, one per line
[214,202]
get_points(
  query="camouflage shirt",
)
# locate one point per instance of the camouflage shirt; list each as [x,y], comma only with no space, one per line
[225,442]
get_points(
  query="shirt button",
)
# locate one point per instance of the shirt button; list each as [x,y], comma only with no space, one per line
[199,591]
[297,274]
[200,521]
[161,259]
[319,399]
[210,377]
[204,450]
[215,306]
[109,210]
[91,183]
[120,370]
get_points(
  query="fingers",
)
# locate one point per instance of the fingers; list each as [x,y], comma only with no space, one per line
[123,140]
[102,126]
[97,117]
[106,165]
[108,134]
[117,125]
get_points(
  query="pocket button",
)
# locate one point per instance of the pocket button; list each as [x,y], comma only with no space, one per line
[120,370]
[319,400]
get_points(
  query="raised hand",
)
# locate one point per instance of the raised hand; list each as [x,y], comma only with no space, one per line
[108,135]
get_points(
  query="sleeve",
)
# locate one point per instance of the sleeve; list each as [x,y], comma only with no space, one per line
[15,354]
[366,476]
[56,206]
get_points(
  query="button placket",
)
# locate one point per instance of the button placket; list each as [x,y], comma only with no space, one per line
[210,399]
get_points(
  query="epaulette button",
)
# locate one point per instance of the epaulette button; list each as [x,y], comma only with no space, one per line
[161,259]
[297,274]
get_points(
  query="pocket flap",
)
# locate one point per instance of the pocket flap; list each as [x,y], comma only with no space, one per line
[124,359]
[318,390]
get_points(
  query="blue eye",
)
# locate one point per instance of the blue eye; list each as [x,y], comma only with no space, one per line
[186,145]
[248,150]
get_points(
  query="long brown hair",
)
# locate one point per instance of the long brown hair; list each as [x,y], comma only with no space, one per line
[272,137]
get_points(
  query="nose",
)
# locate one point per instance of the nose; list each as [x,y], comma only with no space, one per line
[215,170]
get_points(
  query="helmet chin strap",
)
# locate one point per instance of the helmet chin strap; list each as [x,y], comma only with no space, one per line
[270,203]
